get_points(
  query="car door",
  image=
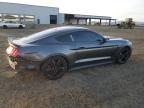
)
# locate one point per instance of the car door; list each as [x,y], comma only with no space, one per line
[66,46]
[91,46]
[12,24]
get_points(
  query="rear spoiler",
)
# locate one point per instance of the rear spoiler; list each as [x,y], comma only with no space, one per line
[11,43]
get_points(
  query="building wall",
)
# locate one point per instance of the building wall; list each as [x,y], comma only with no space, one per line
[40,12]
[71,21]
[61,18]
[74,21]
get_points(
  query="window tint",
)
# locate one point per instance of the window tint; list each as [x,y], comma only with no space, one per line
[40,35]
[64,38]
[44,40]
[86,36]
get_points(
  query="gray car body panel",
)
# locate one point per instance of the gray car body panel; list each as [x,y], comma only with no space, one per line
[74,52]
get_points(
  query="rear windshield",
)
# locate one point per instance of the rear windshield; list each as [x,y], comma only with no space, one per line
[37,36]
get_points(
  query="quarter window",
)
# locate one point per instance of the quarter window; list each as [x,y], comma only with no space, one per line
[64,38]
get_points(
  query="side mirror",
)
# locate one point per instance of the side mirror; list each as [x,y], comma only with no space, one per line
[100,41]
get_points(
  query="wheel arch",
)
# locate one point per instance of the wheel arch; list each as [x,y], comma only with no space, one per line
[52,55]
[120,49]
[20,26]
[5,26]
[127,47]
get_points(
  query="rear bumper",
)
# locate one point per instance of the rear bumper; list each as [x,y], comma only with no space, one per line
[19,64]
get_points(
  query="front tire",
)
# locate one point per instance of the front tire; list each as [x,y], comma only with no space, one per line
[123,55]
[54,67]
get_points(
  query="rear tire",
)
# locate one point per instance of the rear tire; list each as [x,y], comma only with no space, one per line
[5,26]
[54,67]
[123,55]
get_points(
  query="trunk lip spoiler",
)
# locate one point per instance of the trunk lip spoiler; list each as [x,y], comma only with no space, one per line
[11,43]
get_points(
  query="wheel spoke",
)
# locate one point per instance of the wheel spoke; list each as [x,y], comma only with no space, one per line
[127,52]
[124,55]
[55,67]
[58,62]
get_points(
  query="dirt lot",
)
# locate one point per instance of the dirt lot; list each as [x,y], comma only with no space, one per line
[108,86]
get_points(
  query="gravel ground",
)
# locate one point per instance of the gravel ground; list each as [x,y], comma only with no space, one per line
[107,86]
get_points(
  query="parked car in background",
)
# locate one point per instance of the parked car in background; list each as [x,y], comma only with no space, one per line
[57,50]
[11,24]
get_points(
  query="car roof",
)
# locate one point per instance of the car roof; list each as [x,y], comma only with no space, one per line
[50,32]
[62,29]
[68,28]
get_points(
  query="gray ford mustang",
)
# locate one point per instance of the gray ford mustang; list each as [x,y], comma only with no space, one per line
[57,50]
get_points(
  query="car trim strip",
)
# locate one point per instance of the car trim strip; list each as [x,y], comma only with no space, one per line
[92,59]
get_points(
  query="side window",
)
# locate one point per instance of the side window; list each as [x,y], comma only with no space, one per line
[64,38]
[86,36]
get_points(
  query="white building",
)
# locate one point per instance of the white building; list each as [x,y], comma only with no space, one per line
[43,15]
[30,13]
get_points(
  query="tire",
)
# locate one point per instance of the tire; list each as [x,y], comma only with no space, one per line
[54,67]
[20,27]
[5,26]
[123,55]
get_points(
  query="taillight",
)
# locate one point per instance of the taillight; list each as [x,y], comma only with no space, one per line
[12,51]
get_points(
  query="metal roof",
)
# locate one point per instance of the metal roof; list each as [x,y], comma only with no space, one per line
[91,16]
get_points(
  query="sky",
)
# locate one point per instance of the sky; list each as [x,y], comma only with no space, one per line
[119,9]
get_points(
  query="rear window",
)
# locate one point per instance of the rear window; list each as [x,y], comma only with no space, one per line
[39,35]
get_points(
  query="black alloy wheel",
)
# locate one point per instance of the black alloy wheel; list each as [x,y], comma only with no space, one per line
[124,55]
[54,68]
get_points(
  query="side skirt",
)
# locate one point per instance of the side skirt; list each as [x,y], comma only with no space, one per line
[91,64]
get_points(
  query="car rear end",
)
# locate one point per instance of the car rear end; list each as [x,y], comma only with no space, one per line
[16,57]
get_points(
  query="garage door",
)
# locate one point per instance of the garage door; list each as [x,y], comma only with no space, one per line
[53,19]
